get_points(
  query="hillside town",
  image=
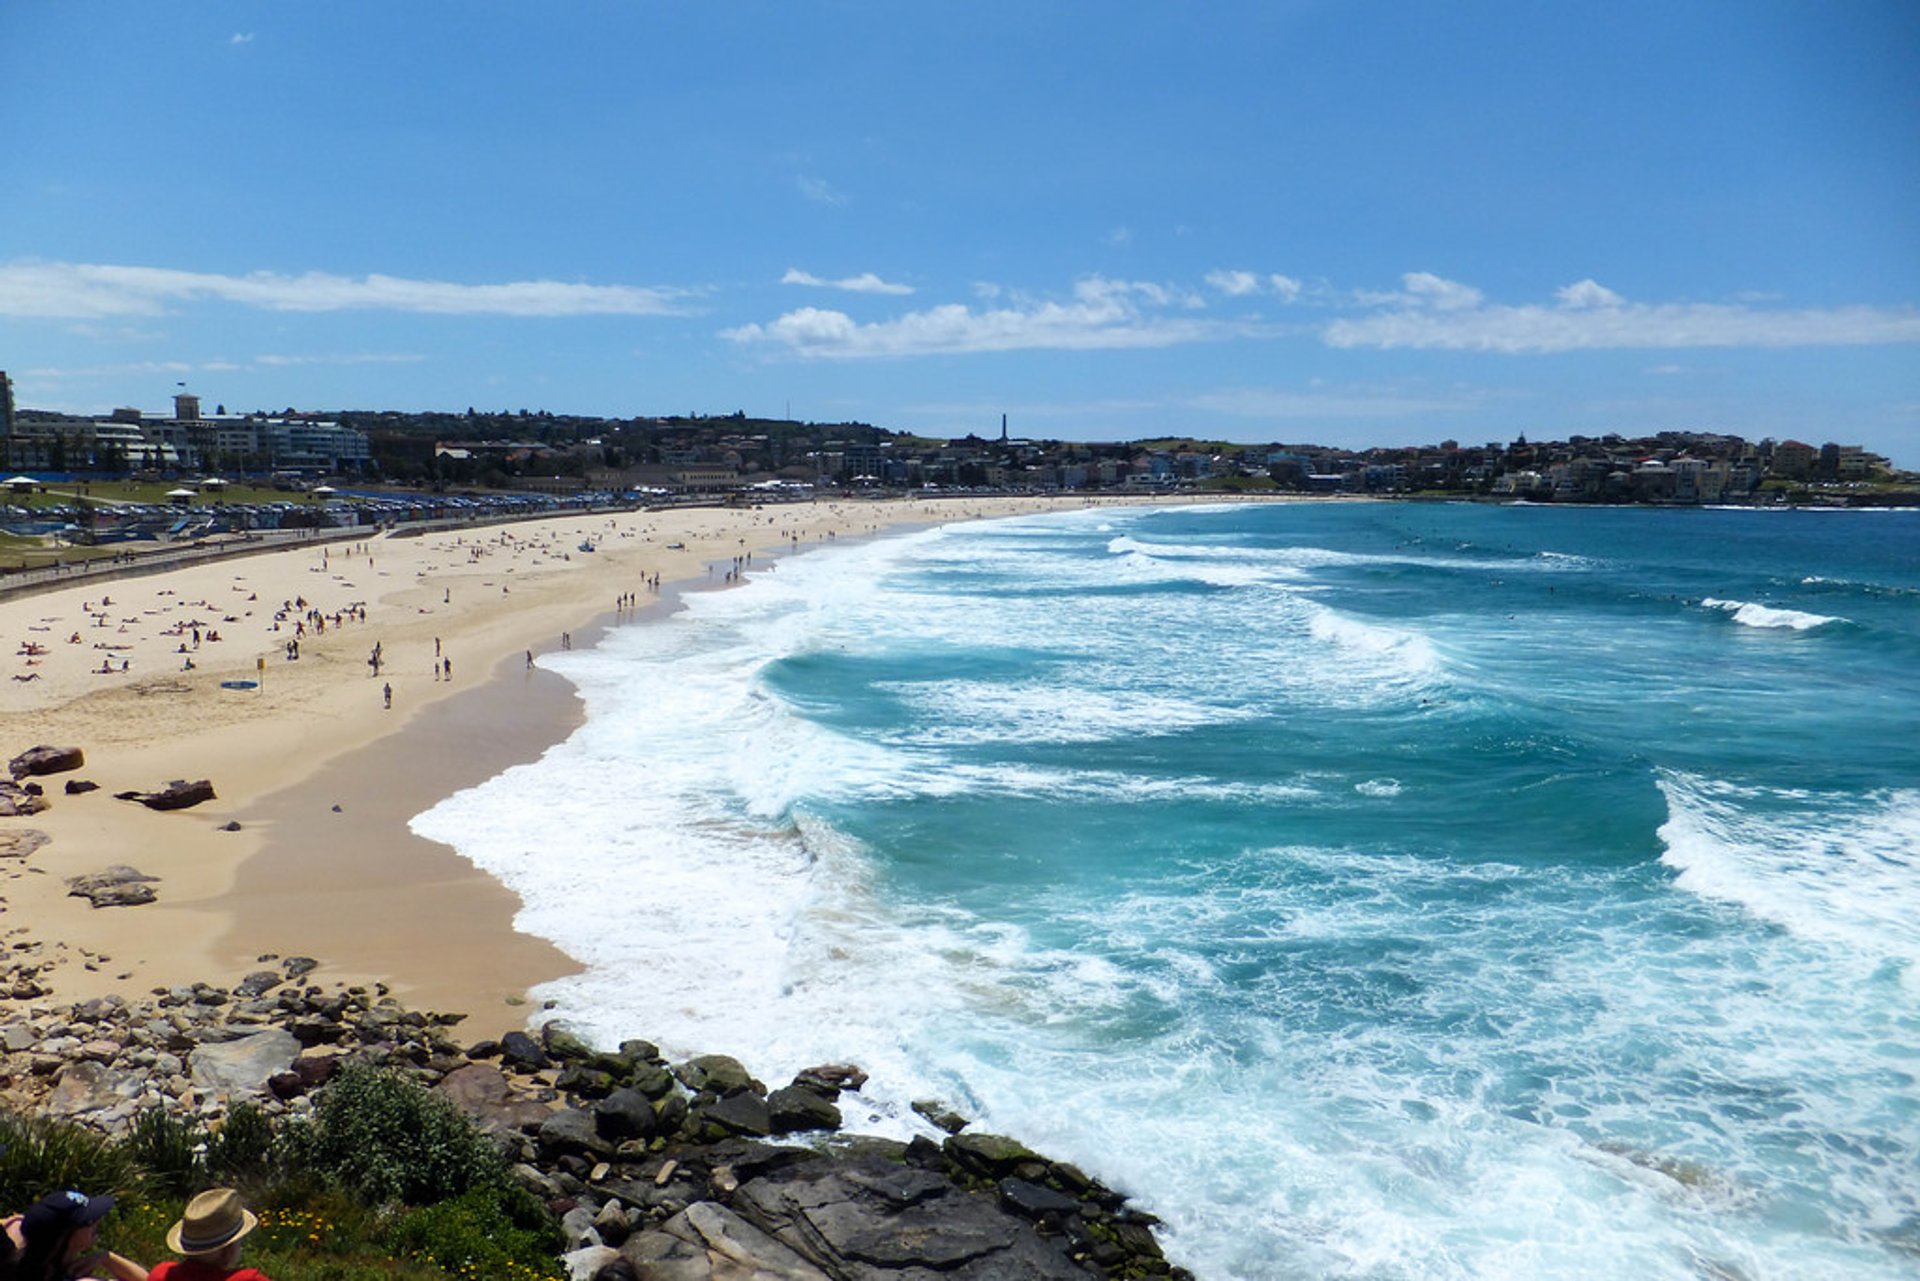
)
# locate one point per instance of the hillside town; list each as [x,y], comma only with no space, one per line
[541,452]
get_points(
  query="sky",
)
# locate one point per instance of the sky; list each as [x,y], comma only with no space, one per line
[1349,223]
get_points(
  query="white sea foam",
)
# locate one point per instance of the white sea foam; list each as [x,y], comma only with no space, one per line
[1836,869]
[1750,614]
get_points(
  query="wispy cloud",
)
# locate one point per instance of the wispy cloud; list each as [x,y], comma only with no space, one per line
[1247,284]
[1320,402]
[1103,313]
[1434,313]
[241,37]
[89,290]
[818,190]
[217,365]
[864,283]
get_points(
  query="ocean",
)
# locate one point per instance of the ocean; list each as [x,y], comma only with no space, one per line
[1379,890]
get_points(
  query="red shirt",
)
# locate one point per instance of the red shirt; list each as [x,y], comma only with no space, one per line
[194,1270]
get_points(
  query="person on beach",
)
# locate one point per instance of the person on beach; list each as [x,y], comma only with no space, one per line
[386,695]
[208,1238]
[54,1239]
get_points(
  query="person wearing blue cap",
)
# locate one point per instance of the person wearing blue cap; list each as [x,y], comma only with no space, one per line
[54,1241]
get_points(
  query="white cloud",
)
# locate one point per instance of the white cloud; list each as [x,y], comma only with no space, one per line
[1103,313]
[241,37]
[88,290]
[864,283]
[1120,236]
[1587,293]
[1241,284]
[818,190]
[147,368]
[1434,291]
[1440,314]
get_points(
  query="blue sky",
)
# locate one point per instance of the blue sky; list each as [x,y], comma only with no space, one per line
[1352,223]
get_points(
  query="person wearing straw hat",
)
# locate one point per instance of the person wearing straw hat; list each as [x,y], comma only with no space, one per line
[208,1239]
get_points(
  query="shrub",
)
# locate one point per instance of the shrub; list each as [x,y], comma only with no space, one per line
[386,1138]
[169,1149]
[242,1150]
[44,1155]
[487,1232]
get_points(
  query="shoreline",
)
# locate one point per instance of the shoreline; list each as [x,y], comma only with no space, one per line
[354,888]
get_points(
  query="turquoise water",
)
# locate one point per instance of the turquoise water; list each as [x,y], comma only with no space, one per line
[1374,890]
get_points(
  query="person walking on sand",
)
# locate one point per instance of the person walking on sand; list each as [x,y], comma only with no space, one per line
[386,695]
[208,1238]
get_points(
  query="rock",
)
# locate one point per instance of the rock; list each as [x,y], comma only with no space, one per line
[988,1155]
[1034,1200]
[521,1051]
[256,983]
[21,842]
[242,1067]
[612,1223]
[576,1225]
[80,787]
[585,1263]
[742,1113]
[90,1087]
[571,1132]
[796,1108]
[177,795]
[624,1114]
[828,1079]
[117,886]
[562,1044]
[709,1242]
[46,760]
[231,825]
[16,800]
[299,966]
[482,1092]
[718,1073]
[941,1115]
[867,1218]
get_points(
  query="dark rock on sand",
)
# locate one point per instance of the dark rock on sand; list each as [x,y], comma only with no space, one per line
[81,786]
[46,760]
[177,795]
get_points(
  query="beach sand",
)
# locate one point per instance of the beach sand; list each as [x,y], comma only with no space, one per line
[318,772]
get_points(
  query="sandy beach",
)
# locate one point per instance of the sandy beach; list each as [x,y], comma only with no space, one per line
[320,774]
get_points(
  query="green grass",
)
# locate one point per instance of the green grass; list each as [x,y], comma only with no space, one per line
[106,493]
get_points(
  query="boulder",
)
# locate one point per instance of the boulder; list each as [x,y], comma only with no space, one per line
[87,1086]
[869,1219]
[117,886]
[708,1242]
[624,1114]
[717,1073]
[521,1051]
[571,1132]
[80,786]
[46,760]
[988,1155]
[585,1263]
[243,1066]
[16,800]
[481,1091]
[797,1108]
[742,1113]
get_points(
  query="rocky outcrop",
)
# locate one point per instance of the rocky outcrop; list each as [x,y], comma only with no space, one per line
[658,1170]
[177,795]
[46,760]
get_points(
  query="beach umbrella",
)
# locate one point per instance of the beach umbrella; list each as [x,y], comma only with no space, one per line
[181,495]
[19,483]
[324,491]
